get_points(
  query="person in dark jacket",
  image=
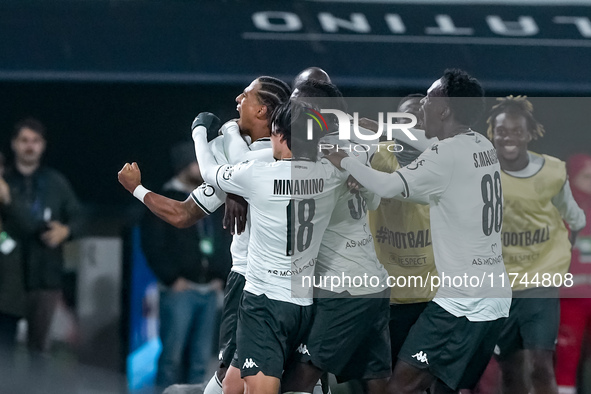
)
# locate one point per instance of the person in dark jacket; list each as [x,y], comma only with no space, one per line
[12,288]
[191,265]
[43,213]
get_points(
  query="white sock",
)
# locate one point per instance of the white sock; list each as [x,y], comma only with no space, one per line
[214,386]
[567,390]
[318,387]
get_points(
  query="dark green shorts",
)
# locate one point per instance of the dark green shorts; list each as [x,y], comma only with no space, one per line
[268,334]
[533,322]
[453,349]
[232,295]
[349,337]
[402,318]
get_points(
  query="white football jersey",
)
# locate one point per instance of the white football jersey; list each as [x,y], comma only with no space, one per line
[347,259]
[459,178]
[209,198]
[290,205]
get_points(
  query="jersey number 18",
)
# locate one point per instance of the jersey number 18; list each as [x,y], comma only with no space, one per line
[300,235]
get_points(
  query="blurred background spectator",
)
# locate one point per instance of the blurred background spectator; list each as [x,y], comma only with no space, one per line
[191,265]
[42,214]
[12,291]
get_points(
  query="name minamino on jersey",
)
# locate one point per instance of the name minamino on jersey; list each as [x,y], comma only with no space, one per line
[298,186]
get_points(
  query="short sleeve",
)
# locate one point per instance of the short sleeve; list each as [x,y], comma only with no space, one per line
[429,174]
[208,198]
[236,179]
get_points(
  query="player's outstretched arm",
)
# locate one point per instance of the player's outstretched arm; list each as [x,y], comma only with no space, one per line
[207,162]
[180,214]
[381,183]
[421,142]
[372,200]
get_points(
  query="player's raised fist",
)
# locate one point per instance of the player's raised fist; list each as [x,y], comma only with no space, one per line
[211,123]
[130,176]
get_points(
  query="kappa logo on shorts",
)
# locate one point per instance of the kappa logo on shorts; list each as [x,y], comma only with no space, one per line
[248,363]
[422,357]
[303,349]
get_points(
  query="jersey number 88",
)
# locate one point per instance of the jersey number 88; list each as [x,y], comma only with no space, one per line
[492,196]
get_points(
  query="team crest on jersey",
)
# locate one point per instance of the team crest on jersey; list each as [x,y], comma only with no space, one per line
[229,170]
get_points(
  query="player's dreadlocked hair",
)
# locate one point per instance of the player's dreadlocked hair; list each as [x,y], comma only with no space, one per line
[466,96]
[272,93]
[519,105]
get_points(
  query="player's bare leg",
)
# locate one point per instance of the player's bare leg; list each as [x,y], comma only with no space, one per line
[300,377]
[514,369]
[407,379]
[441,388]
[542,371]
[375,386]
[233,383]
[261,384]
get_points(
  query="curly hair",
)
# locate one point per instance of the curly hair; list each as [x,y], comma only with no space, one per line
[466,95]
[520,106]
